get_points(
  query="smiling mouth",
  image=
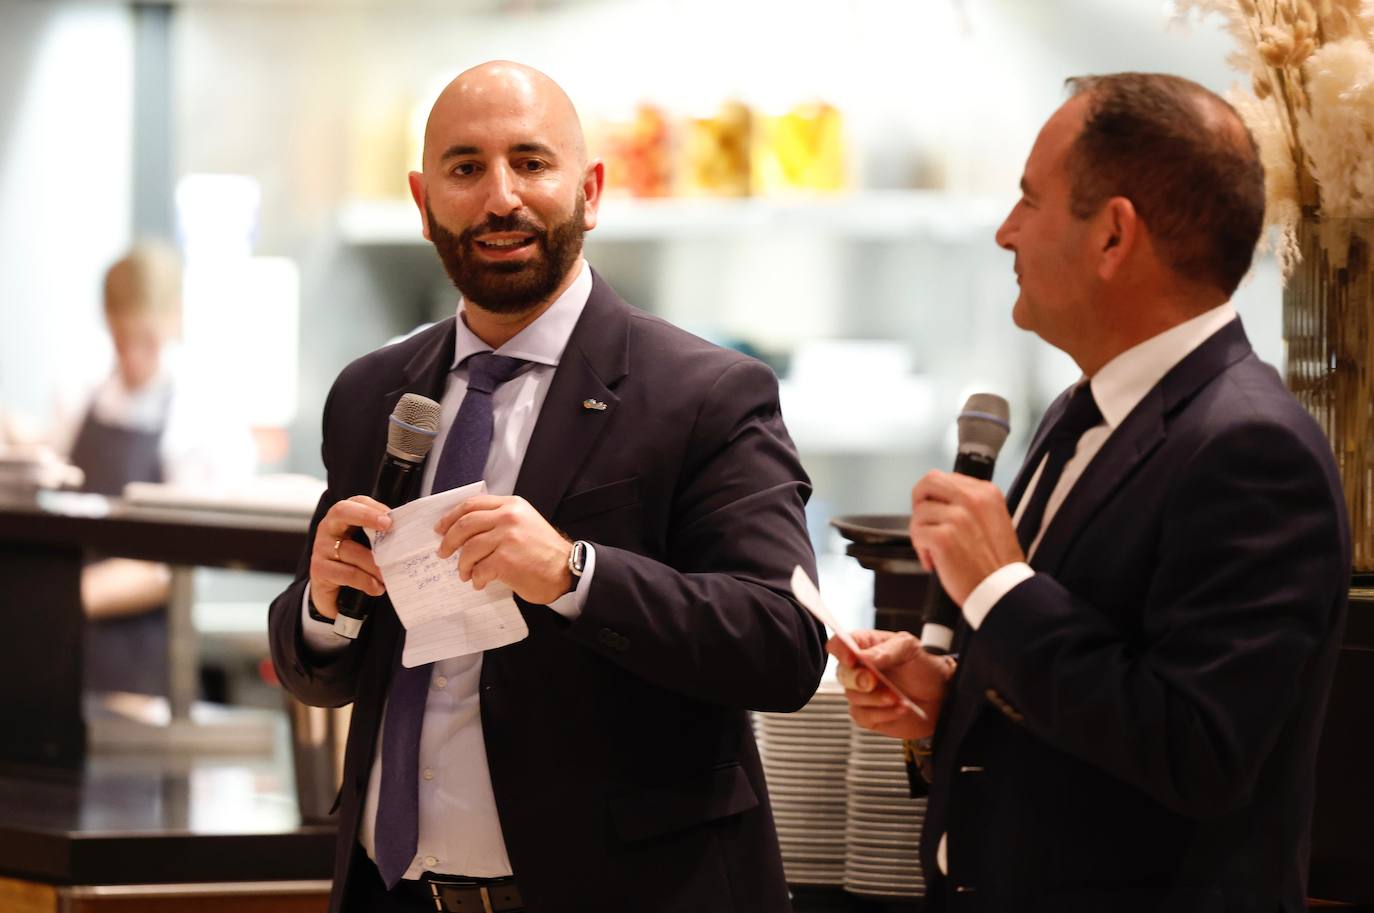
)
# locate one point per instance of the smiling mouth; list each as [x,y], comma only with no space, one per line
[504,245]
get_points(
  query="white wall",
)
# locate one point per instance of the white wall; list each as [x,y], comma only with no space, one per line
[66,78]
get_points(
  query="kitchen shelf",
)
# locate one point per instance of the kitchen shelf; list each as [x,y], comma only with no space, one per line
[870,215]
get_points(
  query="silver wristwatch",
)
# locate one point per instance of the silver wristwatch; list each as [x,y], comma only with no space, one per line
[577,560]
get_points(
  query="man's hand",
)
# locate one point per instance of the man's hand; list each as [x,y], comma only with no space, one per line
[337,561]
[920,675]
[505,539]
[961,530]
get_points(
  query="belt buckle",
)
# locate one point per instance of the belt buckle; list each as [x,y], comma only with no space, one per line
[482,891]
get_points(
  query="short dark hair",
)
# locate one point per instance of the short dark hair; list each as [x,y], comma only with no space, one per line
[1184,159]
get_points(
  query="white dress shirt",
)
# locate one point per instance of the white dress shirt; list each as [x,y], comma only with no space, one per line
[459,830]
[1117,388]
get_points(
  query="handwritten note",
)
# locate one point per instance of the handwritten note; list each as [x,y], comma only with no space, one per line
[443,616]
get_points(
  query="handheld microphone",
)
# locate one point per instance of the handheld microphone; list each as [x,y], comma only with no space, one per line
[983,429]
[410,433]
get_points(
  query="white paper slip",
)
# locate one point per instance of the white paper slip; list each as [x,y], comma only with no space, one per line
[443,616]
[810,598]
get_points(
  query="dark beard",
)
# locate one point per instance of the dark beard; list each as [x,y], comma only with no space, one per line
[514,287]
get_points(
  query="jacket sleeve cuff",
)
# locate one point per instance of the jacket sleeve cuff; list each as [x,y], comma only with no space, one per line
[994,586]
[319,636]
[570,605]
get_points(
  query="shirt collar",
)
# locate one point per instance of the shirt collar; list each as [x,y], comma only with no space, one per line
[1123,382]
[543,341]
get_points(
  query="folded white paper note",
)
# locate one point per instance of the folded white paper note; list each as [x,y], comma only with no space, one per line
[443,616]
[810,598]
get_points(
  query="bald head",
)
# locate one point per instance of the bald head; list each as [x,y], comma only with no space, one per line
[505,89]
[506,192]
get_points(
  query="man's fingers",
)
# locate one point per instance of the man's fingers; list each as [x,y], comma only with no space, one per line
[345,551]
[461,531]
[840,650]
[360,511]
[867,638]
[856,678]
[900,648]
[470,506]
[878,718]
[359,556]
[473,551]
[946,487]
[934,485]
[333,573]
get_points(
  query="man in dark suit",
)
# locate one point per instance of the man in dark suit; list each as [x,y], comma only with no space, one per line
[1132,720]
[605,762]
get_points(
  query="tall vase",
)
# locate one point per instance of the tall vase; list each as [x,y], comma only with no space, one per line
[1328,328]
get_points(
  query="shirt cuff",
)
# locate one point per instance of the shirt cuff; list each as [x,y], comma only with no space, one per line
[570,605]
[318,635]
[994,586]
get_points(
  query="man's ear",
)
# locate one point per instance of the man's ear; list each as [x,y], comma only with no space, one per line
[1115,234]
[417,191]
[593,181]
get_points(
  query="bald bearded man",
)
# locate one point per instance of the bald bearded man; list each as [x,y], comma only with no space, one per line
[606,761]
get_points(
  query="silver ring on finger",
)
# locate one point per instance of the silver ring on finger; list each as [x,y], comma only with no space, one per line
[337,543]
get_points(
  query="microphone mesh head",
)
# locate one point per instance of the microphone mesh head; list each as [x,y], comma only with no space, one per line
[412,427]
[984,423]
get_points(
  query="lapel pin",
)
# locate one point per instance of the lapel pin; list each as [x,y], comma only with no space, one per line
[594,405]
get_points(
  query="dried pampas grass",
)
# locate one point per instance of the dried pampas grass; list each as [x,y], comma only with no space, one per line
[1337,129]
[1310,105]
[1282,211]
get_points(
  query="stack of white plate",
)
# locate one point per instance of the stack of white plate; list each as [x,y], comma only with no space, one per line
[882,837]
[804,759]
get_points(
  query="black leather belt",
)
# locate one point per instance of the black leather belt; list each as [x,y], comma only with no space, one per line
[450,894]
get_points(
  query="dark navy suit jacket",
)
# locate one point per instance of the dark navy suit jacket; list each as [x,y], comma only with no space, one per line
[622,758]
[1135,727]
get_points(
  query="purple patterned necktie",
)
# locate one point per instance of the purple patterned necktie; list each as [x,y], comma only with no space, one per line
[462,462]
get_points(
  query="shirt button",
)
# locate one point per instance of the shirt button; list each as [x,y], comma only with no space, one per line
[440,682]
[431,861]
[429,773]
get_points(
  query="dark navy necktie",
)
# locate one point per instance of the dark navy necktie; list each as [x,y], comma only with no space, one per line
[1080,414]
[462,462]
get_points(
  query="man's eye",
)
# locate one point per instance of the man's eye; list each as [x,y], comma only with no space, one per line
[465,168]
[533,165]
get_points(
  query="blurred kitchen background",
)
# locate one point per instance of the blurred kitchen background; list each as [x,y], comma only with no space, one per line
[816,182]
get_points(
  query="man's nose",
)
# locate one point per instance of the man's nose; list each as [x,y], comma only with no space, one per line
[502,198]
[1004,235]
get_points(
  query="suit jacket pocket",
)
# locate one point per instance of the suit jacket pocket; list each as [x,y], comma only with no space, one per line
[599,500]
[655,811]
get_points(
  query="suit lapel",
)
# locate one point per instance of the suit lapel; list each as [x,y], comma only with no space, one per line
[1139,434]
[571,420]
[426,373]
[429,367]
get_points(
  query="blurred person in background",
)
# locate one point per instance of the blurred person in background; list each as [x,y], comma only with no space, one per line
[149,420]
[1151,618]
[606,761]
